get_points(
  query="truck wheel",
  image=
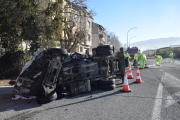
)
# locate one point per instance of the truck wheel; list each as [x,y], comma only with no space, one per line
[105,47]
[107,87]
[47,99]
[105,53]
[58,50]
[107,82]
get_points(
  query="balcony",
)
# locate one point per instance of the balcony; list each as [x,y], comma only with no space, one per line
[101,35]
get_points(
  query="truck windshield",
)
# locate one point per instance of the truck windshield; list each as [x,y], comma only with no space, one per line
[132,50]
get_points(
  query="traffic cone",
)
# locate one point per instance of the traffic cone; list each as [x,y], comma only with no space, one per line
[138,78]
[125,85]
[130,76]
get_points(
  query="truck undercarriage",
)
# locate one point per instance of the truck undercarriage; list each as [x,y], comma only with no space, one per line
[53,70]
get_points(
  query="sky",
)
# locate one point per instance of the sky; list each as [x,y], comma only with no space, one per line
[153,18]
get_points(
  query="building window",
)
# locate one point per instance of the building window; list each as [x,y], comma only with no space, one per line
[89,37]
[88,24]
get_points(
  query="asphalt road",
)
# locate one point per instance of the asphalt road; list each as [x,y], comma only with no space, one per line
[157,98]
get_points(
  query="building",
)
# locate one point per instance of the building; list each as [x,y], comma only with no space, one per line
[82,22]
[87,41]
[151,52]
[78,19]
[98,35]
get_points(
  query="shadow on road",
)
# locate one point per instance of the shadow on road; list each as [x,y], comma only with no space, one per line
[89,98]
[8,104]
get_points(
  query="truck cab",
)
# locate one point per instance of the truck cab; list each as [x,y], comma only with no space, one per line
[132,51]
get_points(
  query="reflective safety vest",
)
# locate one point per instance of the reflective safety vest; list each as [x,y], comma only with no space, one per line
[142,56]
[171,54]
[159,58]
[136,56]
[126,55]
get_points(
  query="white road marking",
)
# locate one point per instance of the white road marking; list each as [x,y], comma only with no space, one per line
[170,101]
[160,70]
[156,115]
[170,81]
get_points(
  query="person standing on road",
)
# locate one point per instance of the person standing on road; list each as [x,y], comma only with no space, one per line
[142,60]
[158,59]
[126,55]
[171,56]
[135,59]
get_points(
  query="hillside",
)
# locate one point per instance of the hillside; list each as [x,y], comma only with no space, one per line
[156,43]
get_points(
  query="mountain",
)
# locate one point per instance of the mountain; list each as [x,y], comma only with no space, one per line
[156,43]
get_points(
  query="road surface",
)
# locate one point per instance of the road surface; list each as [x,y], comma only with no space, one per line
[157,98]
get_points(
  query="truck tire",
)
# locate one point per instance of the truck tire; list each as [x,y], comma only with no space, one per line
[107,82]
[47,99]
[105,47]
[58,50]
[105,53]
[107,87]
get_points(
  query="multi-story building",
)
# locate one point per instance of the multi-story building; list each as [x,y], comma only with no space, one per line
[81,18]
[87,41]
[98,35]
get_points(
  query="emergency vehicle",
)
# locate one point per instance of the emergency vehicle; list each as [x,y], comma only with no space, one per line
[132,51]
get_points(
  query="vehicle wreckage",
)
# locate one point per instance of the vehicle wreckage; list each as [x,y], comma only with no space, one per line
[54,70]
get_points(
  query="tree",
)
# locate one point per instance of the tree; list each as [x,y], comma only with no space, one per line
[24,20]
[83,3]
[76,16]
[114,41]
[52,24]
[17,22]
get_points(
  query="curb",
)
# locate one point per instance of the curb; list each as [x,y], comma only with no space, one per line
[4,90]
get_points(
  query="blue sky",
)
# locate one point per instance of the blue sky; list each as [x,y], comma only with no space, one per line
[153,18]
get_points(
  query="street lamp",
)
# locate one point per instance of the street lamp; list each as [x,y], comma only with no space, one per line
[127,35]
[130,40]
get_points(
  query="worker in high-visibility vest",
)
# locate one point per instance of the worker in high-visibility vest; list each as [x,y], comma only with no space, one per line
[126,55]
[142,60]
[158,59]
[171,56]
[135,59]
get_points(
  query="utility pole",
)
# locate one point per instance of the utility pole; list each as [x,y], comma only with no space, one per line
[127,35]
[114,40]
[130,40]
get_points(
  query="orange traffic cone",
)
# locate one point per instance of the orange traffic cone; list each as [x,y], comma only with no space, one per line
[138,78]
[130,76]
[125,85]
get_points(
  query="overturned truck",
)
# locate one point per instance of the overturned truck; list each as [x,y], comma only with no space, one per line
[54,71]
